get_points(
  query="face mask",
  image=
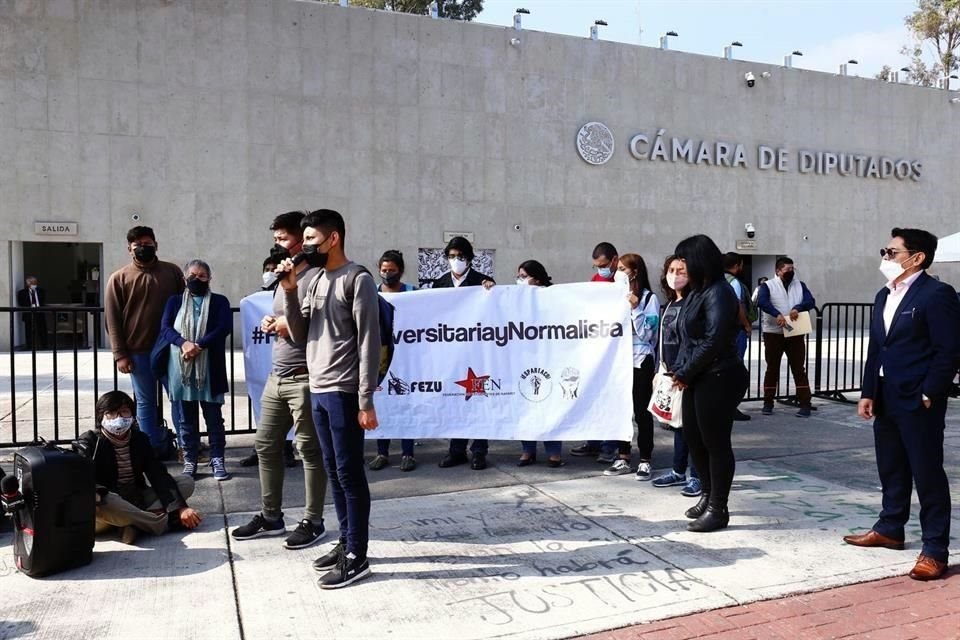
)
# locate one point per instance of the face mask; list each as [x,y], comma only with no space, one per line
[677,282]
[145,254]
[118,426]
[604,272]
[279,252]
[787,277]
[458,265]
[621,277]
[269,277]
[198,287]
[522,282]
[33,287]
[390,279]
[891,270]
[314,257]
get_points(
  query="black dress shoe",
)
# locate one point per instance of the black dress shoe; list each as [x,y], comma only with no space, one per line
[524,462]
[251,460]
[479,462]
[454,460]
[698,509]
[713,519]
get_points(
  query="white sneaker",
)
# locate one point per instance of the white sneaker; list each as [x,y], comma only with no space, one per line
[620,467]
[643,471]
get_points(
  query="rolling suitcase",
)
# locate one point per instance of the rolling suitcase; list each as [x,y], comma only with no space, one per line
[54,529]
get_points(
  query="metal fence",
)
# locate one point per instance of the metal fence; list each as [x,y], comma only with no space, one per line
[50,392]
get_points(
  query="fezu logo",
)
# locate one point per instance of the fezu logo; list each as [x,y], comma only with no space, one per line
[478,385]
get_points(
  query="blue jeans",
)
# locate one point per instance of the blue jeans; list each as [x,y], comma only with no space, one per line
[190,427]
[341,442]
[552,447]
[145,393]
[681,453]
[741,343]
[406,447]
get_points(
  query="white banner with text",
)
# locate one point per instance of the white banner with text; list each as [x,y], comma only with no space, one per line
[511,363]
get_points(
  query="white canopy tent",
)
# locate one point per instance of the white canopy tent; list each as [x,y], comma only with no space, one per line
[948,248]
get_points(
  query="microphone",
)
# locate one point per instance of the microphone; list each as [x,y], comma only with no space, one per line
[297,259]
[10,497]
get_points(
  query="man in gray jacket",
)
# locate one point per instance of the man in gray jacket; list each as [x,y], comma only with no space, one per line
[340,320]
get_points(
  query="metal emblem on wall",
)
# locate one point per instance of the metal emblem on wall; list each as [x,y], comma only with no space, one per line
[595,143]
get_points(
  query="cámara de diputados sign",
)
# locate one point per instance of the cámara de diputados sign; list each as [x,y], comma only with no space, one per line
[596,144]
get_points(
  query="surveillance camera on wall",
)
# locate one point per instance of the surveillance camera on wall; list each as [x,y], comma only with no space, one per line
[135,217]
[765,75]
[750,229]
[750,78]
[516,227]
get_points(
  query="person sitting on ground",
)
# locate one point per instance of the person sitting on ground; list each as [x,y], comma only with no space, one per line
[391,281]
[124,463]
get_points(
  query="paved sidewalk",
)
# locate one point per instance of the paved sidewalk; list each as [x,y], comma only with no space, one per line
[893,609]
[522,553]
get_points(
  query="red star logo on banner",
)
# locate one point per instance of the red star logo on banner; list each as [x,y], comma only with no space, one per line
[474,384]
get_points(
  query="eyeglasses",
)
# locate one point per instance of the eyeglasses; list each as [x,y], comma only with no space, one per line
[122,413]
[891,253]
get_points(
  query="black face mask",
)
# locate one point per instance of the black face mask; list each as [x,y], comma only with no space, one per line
[787,277]
[279,253]
[390,280]
[314,257]
[198,287]
[145,254]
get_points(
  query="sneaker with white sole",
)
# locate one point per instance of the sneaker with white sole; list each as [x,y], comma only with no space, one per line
[305,535]
[620,467]
[349,569]
[219,469]
[258,528]
[644,470]
[671,479]
[329,560]
[692,489]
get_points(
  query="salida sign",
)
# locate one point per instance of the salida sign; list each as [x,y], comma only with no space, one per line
[55,228]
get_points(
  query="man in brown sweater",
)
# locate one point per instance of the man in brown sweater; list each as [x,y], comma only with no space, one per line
[134,300]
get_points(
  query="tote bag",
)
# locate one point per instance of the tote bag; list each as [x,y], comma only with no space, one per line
[667,401]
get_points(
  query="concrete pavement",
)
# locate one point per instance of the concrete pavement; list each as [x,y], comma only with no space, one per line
[508,552]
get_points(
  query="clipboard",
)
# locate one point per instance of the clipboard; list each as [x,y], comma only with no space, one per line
[799,327]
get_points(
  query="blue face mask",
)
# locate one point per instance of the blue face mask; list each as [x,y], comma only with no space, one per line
[605,272]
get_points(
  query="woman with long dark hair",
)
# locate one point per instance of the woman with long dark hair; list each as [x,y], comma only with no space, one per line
[712,375]
[645,320]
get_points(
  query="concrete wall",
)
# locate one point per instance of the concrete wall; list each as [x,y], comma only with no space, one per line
[206,118]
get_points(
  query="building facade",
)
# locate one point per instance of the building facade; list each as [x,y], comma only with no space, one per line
[205,119]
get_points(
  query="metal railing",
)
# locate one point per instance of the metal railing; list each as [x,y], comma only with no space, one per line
[56,388]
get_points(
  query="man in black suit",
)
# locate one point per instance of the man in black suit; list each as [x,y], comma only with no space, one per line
[459,254]
[34,324]
[911,361]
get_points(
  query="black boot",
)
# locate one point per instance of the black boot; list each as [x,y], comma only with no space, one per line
[697,510]
[713,518]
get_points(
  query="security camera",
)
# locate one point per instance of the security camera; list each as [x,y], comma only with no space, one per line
[135,217]
[750,229]
[515,42]
[516,227]
[750,78]
[765,75]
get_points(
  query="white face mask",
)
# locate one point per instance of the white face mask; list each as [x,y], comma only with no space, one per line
[676,282]
[621,277]
[268,278]
[522,282]
[458,265]
[117,426]
[891,270]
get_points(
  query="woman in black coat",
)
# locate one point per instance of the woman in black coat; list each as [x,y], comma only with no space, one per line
[712,375]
